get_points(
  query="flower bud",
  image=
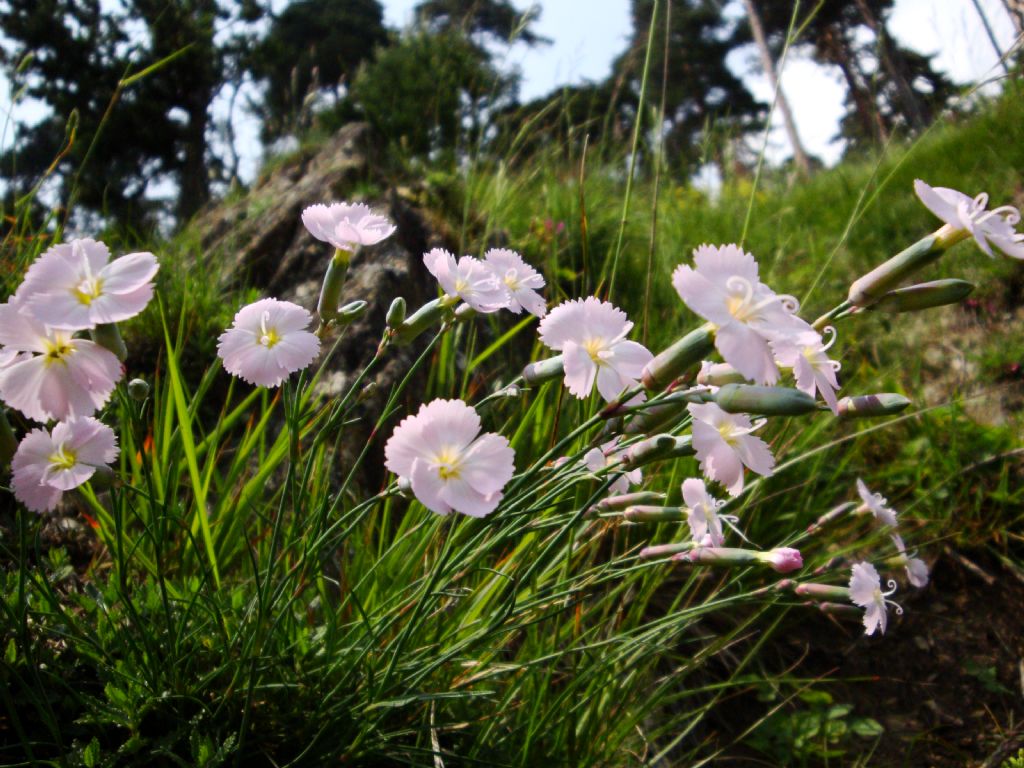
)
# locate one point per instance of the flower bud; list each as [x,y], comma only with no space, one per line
[838,609]
[617,503]
[651,418]
[656,448]
[674,361]
[718,375]
[368,391]
[726,557]
[464,313]
[822,591]
[660,550]
[833,514]
[138,389]
[543,370]
[644,513]
[404,487]
[396,313]
[784,559]
[868,406]
[330,292]
[108,336]
[424,317]
[352,311]
[766,401]
[914,298]
[872,286]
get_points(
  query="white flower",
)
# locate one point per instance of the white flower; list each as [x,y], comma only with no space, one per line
[804,352]
[47,464]
[725,290]
[597,459]
[346,226]
[875,503]
[74,286]
[723,444]
[520,279]
[57,376]
[702,514]
[468,279]
[591,335]
[996,227]
[267,342]
[449,464]
[866,591]
[917,569]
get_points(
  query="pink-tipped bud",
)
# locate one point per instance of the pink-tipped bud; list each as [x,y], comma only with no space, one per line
[663,550]
[618,503]
[718,375]
[785,559]
[674,361]
[868,406]
[823,592]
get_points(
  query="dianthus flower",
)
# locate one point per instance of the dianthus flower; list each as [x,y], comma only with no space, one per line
[724,444]
[724,289]
[702,514]
[965,214]
[346,226]
[804,352]
[866,591]
[57,376]
[591,335]
[597,459]
[468,279]
[74,286]
[449,464]
[875,503]
[917,569]
[520,279]
[267,342]
[47,464]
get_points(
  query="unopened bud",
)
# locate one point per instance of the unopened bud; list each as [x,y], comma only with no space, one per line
[138,389]
[352,311]
[651,418]
[334,281]
[464,313]
[367,392]
[543,370]
[661,550]
[617,503]
[645,513]
[783,559]
[107,335]
[868,289]
[396,313]
[914,298]
[766,401]
[656,448]
[822,591]
[838,609]
[404,487]
[510,391]
[670,364]
[718,375]
[869,406]
[833,514]
[424,317]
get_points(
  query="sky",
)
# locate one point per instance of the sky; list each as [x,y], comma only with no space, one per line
[588,34]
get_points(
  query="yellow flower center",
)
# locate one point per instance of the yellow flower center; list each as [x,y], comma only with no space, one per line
[269,338]
[448,464]
[57,350]
[738,307]
[461,285]
[62,459]
[512,280]
[88,290]
[594,346]
[727,431]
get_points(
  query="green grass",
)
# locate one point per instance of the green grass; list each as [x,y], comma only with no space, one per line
[253,606]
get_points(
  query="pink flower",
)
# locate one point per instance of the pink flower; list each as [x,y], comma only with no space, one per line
[866,591]
[725,290]
[450,465]
[520,279]
[346,226]
[267,342]
[702,514]
[468,279]
[875,503]
[591,335]
[804,352]
[47,464]
[723,444]
[57,376]
[597,459]
[785,559]
[996,227]
[917,569]
[74,286]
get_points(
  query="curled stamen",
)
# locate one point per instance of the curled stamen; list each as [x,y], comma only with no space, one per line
[891,584]
[789,303]
[980,202]
[836,365]
[1009,214]
[737,283]
[830,332]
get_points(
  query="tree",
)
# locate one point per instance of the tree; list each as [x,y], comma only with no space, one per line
[478,20]
[313,46]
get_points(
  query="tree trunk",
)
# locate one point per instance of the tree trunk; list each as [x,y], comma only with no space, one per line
[834,48]
[799,155]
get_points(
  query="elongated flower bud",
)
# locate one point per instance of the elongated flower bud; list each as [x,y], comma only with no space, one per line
[782,559]
[872,286]
[334,281]
[838,609]
[766,401]
[661,550]
[651,418]
[109,336]
[823,592]
[645,513]
[396,313]
[682,355]
[424,317]
[914,298]
[464,313]
[656,448]
[718,375]
[543,370]
[870,406]
[352,311]
[617,503]
[833,514]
